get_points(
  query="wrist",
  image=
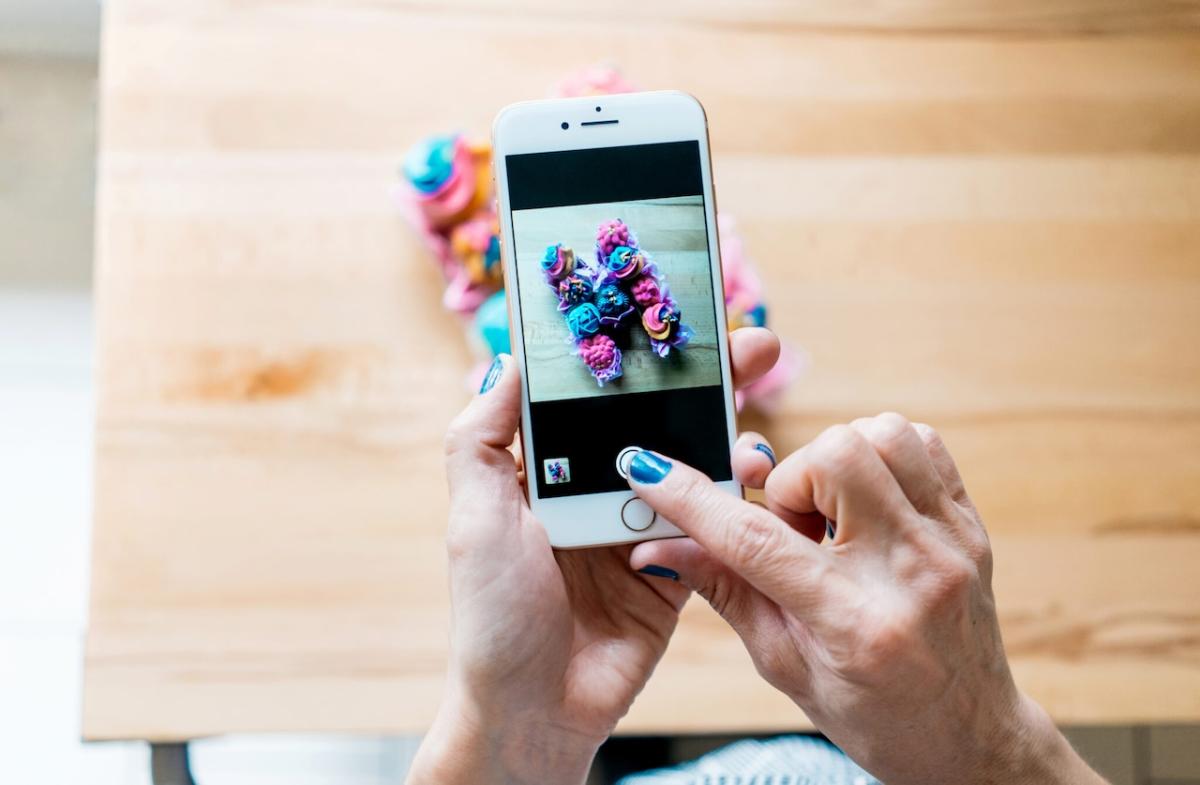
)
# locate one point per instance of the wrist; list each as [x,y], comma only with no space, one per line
[469,743]
[1035,751]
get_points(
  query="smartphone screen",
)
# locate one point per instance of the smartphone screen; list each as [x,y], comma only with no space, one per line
[673,404]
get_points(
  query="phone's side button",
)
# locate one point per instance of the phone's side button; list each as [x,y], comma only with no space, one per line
[637,515]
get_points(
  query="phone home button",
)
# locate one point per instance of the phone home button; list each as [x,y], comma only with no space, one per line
[637,515]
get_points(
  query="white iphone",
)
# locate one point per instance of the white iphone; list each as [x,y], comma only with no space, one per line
[609,241]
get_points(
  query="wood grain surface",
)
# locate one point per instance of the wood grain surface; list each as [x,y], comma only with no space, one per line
[977,213]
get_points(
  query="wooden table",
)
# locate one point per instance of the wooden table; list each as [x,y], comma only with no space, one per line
[984,215]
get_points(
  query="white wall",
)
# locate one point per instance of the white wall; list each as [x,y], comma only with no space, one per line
[47,169]
[50,27]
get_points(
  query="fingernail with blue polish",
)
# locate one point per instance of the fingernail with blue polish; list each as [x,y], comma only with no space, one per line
[493,375]
[830,528]
[767,451]
[647,468]
[659,572]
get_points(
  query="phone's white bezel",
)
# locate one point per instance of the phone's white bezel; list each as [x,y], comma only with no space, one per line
[536,127]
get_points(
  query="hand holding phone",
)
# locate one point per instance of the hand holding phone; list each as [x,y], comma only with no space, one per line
[548,648]
[612,266]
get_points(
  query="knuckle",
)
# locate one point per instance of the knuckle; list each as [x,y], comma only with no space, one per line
[457,436]
[888,430]
[883,638]
[753,539]
[861,424]
[780,485]
[929,437]
[890,638]
[695,496]
[979,550]
[952,579]
[458,546]
[720,595]
[971,537]
[773,665]
[984,563]
[909,560]
[836,449]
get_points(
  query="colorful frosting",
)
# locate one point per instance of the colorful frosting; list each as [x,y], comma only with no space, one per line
[491,324]
[558,261]
[601,355]
[660,319]
[446,195]
[611,300]
[645,291]
[630,267]
[449,180]
[625,262]
[575,289]
[476,243]
[583,320]
[588,309]
[430,163]
[612,235]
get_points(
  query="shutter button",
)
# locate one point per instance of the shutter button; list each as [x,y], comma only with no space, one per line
[623,459]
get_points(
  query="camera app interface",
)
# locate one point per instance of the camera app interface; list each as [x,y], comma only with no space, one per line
[614,276]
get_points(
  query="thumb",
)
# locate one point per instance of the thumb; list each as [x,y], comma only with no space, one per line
[477,440]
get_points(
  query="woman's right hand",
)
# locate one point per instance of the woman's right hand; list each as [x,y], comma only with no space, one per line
[887,639]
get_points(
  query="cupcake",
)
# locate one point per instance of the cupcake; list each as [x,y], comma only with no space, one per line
[574,289]
[477,246]
[611,236]
[645,291]
[449,178]
[661,320]
[583,320]
[558,261]
[611,300]
[598,352]
[625,262]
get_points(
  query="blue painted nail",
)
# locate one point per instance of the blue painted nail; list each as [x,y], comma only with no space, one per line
[830,528]
[767,451]
[493,375]
[659,572]
[647,468]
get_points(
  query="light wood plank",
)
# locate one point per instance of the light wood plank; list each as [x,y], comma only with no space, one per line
[945,16]
[802,93]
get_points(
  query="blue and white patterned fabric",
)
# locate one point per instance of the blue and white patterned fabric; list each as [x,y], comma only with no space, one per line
[787,760]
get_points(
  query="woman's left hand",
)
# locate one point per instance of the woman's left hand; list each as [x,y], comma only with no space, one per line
[548,648]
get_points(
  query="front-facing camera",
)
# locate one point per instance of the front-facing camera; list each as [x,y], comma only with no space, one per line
[565,126]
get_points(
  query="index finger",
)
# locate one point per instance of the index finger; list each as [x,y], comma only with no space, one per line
[842,477]
[781,563]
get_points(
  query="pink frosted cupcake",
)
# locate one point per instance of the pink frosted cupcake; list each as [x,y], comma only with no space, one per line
[612,235]
[600,353]
[645,291]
